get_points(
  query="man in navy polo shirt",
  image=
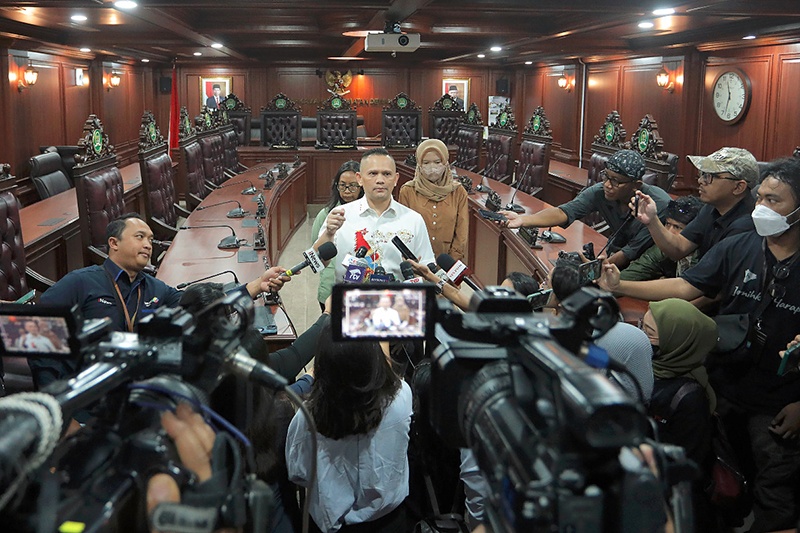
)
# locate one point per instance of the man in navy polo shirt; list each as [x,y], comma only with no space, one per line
[100,290]
[754,272]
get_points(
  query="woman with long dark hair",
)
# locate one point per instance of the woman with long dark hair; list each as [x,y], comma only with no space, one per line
[363,413]
[344,189]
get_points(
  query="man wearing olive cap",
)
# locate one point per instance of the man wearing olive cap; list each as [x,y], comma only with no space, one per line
[621,179]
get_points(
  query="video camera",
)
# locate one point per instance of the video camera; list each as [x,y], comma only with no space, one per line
[98,477]
[552,436]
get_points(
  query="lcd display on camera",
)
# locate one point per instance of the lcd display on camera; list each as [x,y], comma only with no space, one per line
[26,335]
[382,311]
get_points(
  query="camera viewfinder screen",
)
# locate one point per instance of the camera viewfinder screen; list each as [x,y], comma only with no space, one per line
[383,313]
[26,335]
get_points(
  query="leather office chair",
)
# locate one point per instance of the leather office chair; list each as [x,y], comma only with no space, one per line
[469,142]
[99,188]
[240,116]
[661,167]
[67,154]
[534,159]
[597,163]
[281,123]
[192,162]
[213,162]
[16,279]
[336,124]
[48,175]
[499,159]
[401,122]
[157,179]
[444,120]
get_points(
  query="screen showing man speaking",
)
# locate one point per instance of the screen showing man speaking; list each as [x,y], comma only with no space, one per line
[386,313]
[26,335]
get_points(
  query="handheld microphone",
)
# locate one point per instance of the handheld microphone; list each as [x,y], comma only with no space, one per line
[184,285]
[404,251]
[361,252]
[441,274]
[379,275]
[227,243]
[456,271]
[327,251]
[251,190]
[233,213]
[408,273]
[511,206]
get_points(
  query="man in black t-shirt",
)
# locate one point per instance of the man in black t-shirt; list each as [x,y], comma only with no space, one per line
[725,182]
[754,271]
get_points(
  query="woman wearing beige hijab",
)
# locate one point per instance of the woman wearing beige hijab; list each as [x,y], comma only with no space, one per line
[440,200]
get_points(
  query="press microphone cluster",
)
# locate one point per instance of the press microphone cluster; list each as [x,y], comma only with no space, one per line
[239,212]
[314,259]
[251,190]
[184,285]
[456,271]
[227,243]
[408,273]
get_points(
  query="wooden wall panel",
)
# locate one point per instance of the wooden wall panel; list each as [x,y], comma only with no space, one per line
[751,132]
[602,97]
[785,134]
[76,101]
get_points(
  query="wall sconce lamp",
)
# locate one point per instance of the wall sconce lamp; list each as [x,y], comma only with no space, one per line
[564,83]
[663,81]
[114,81]
[31,75]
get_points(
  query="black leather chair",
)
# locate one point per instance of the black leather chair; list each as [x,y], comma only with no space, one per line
[281,123]
[99,188]
[469,143]
[336,124]
[240,116]
[191,174]
[157,179]
[401,123]
[534,154]
[48,175]
[67,155]
[444,119]
[211,147]
[500,146]
[661,167]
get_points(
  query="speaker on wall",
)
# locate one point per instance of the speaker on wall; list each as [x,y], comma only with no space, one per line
[502,86]
[165,84]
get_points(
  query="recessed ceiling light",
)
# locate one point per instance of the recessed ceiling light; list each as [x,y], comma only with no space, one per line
[198,53]
[216,45]
[360,33]
[646,25]
[496,48]
[346,58]
[481,56]
[125,4]
[145,60]
[749,37]
[79,18]
[86,50]
[664,11]
[529,62]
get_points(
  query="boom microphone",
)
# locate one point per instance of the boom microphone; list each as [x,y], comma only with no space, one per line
[456,271]
[489,169]
[251,190]
[227,243]
[460,164]
[233,213]
[184,285]
[511,206]
[327,251]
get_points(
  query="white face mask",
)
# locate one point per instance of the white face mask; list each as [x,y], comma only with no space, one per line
[769,223]
[432,172]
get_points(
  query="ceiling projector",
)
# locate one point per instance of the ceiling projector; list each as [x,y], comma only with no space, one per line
[391,42]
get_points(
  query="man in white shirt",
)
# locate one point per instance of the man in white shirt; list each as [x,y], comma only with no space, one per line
[378,217]
[33,341]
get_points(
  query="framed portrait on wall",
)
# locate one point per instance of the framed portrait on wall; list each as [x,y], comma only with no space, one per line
[458,89]
[214,90]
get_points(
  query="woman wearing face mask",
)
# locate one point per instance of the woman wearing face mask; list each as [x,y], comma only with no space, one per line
[344,190]
[441,201]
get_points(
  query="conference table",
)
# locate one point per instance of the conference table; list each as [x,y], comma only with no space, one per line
[194,253]
[493,252]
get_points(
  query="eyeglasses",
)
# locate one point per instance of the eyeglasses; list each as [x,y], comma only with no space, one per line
[343,187]
[613,181]
[707,178]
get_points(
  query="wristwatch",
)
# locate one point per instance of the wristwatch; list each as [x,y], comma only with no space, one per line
[440,286]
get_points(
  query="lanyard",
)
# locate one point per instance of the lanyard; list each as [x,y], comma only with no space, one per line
[121,302]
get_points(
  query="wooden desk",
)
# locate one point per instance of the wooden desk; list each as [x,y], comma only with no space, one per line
[564,182]
[194,253]
[493,252]
[54,250]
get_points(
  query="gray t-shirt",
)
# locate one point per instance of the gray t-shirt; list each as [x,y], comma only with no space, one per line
[635,238]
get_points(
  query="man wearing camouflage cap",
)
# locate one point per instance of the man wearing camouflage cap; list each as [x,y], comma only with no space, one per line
[621,178]
[726,180]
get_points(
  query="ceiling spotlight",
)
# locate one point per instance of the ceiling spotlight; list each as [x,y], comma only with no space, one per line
[749,37]
[346,58]
[78,18]
[125,4]
[496,48]
[663,12]
[86,50]
[198,53]
[216,45]
[481,56]
[145,60]
[646,25]
[529,62]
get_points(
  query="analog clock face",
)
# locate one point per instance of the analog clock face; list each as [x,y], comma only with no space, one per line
[731,96]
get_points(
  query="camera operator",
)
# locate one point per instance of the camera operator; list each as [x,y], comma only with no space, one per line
[121,290]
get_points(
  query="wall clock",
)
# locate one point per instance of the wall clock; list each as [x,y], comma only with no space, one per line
[730,96]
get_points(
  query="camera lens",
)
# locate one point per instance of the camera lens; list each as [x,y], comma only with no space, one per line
[403,40]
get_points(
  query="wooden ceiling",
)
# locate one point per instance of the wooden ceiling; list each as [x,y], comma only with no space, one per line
[453,32]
